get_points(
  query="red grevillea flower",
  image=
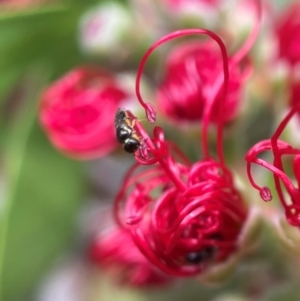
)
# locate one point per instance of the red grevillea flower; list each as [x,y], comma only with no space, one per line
[182,228]
[288,34]
[183,217]
[77,112]
[194,79]
[287,190]
[191,71]
[115,251]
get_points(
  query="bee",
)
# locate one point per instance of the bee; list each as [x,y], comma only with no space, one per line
[201,256]
[207,253]
[125,133]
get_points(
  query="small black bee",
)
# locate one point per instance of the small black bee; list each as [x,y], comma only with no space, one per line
[125,133]
[205,254]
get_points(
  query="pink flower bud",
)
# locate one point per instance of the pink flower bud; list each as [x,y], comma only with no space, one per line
[77,112]
[116,252]
[191,72]
[288,34]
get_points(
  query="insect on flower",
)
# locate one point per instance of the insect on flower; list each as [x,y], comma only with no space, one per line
[125,132]
[184,217]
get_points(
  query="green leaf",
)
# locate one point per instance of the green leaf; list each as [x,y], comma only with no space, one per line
[43,193]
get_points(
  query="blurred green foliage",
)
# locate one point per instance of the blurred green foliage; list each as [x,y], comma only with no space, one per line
[47,38]
[42,187]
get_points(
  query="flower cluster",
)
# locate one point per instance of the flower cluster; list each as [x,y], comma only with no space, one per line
[184,217]
[175,217]
[182,230]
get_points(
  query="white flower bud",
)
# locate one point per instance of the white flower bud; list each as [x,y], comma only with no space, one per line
[104,28]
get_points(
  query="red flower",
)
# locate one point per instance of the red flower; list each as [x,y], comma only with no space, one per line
[77,112]
[288,192]
[191,72]
[183,220]
[193,80]
[115,251]
[183,217]
[288,34]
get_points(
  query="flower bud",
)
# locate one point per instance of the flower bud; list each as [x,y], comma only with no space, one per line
[115,252]
[288,34]
[103,29]
[191,71]
[77,112]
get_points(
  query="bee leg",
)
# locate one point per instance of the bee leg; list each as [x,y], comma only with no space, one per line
[143,150]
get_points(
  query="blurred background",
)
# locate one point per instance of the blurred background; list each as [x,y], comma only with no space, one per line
[52,205]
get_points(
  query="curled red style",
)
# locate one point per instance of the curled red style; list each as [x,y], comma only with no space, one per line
[182,231]
[77,112]
[287,191]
